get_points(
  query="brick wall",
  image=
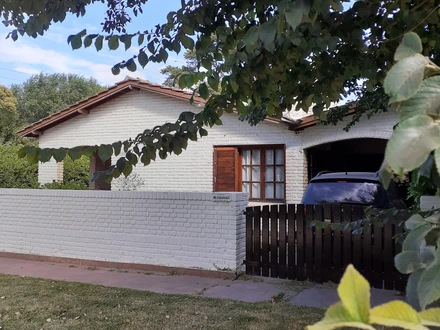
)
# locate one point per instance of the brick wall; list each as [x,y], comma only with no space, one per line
[187,230]
[132,113]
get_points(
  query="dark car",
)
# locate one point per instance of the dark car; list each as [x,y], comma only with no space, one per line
[358,188]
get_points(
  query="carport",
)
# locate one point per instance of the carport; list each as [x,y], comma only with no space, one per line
[351,155]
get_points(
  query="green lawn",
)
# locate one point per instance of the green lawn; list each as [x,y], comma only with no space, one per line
[32,304]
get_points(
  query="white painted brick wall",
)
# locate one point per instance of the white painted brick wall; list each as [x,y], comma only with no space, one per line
[158,228]
[132,113]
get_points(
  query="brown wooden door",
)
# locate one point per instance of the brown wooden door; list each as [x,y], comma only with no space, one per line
[226,169]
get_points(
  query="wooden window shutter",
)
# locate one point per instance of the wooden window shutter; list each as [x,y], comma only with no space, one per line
[226,169]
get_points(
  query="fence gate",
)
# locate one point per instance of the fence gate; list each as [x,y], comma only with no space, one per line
[280,242]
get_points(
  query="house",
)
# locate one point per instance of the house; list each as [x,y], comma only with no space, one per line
[272,161]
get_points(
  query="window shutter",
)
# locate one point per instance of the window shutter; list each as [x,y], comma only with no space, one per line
[226,169]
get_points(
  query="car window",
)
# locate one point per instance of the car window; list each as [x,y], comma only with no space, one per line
[342,192]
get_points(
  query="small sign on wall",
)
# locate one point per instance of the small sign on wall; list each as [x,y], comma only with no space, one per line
[221,198]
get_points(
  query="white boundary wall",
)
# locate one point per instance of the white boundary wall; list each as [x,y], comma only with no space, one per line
[189,230]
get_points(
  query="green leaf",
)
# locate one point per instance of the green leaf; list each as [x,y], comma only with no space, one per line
[267,33]
[117,147]
[425,101]
[203,132]
[415,238]
[98,43]
[397,314]
[140,39]
[128,168]
[76,42]
[90,151]
[354,291]
[415,221]
[429,285]
[32,157]
[87,42]
[44,155]
[251,36]
[430,317]
[22,152]
[131,65]
[405,77]
[75,153]
[127,41]
[59,154]
[417,136]
[408,262]
[385,174]
[105,152]
[187,42]
[113,42]
[337,317]
[410,45]
[293,17]
[426,169]
[120,164]
[143,59]
[203,91]
[411,289]
[213,82]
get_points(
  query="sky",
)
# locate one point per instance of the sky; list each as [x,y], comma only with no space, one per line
[51,53]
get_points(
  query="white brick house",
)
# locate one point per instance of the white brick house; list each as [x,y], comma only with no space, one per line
[284,153]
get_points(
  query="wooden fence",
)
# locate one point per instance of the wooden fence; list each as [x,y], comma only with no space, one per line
[280,242]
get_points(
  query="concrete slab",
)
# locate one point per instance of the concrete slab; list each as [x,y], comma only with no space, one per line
[250,290]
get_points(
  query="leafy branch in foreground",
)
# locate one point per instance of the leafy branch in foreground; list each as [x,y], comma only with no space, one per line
[354,309]
[159,141]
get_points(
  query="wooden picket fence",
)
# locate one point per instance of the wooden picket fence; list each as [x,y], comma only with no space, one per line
[280,242]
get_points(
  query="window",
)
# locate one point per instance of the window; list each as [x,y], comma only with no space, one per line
[263,173]
[259,171]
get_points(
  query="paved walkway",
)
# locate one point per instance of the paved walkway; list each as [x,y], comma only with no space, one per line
[248,289]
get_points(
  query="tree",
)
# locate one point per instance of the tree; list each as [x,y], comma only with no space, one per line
[8,114]
[174,72]
[44,94]
[268,56]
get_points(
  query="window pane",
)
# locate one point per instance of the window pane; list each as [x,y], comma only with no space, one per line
[255,157]
[269,157]
[268,190]
[246,157]
[255,173]
[279,157]
[279,190]
[269,173]
[246,173]
[279,173]
[245,187]
[255,190]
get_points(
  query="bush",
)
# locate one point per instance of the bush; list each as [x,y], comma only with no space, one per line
[64,185]
[16,172]
[76,172]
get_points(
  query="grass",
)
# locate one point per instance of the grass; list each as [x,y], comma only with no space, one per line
[28,303]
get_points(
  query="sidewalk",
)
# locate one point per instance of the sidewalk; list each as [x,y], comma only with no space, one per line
[247,289]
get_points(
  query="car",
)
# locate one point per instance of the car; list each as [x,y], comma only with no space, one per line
[357,188]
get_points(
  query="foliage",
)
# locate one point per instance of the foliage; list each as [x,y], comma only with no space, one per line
[16,172]
[130,183]
[173,73]
[69,185]
[420,186]
[354,309]
[44,94]
[8,114]
[77,172]
[266,56]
